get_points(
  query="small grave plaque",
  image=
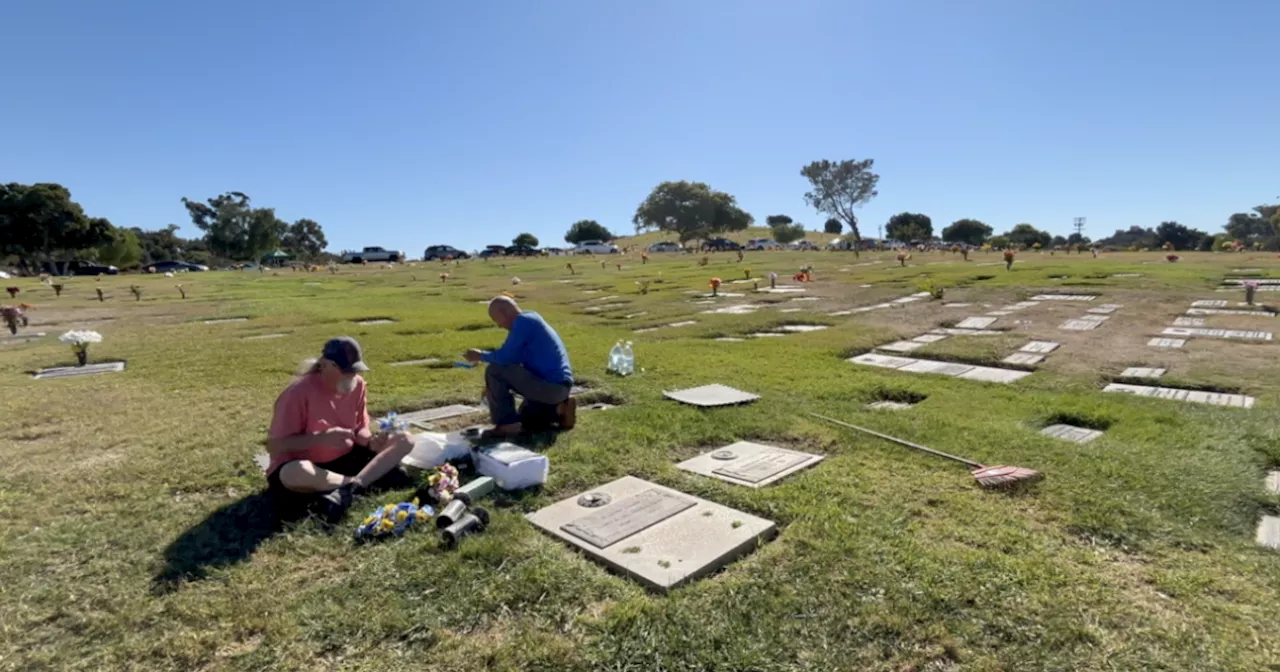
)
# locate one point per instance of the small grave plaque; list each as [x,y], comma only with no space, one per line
[1064,297]
[1000,313]
[1209,303]
[1167,342]
[1196,396]
[929,338]
[901,346]
[802,328]
[682,324]
[975,322]
[1071,433]
[420,418]
[1142,372]
[889,406]
[658,536]
[1024,358]
[1042,347]
[380,320]
[263,337]
[766,334]
[1104,309]
[730,339]
[711,395]
[885,361]
[1079,325]
[87,370]
[989,374]
[224,320]
[1269,531]
[1188,322]
[1219,333]
[940,368]
[415,362]
[1095,318]
[956,305]
[752,464]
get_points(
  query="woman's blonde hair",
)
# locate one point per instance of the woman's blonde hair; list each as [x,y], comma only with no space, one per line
[309,366]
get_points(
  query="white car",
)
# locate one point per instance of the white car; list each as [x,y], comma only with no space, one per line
[595,247]
[763,244]
[802,245]
[666,246]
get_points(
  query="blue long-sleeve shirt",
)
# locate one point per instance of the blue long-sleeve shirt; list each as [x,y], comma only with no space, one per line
[533,343]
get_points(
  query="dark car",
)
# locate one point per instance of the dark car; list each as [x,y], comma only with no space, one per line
[443,252]
[719,244]
[79,268]
[493,251]
[176,266]
[522,251]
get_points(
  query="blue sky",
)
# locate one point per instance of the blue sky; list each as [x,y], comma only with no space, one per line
[404,123]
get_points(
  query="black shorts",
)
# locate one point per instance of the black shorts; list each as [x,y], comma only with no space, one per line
[292,504]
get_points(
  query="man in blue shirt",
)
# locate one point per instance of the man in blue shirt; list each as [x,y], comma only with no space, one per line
[531,362]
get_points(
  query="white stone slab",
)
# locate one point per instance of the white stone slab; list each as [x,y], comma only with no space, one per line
[1071,433]
[416,362]
[730,339]
[1212,398]
[1167,342]
[1024,358]
[1026,304]
[953,331]
[782,290]
[1219,333]
[225,320]
[1230,311]
[24,336]
[263,337]
[936,367]
[1042,347]
[1079,325]
[1126,275]
[905,299]
[744,309]
[1104,309]
[86,370]
[791,310]
[801,328]
[884,361]
[1188,322]
[1272,483]
[1209,303]
[711,395]
[989,374]
[766,334]
[975,322]
[631,315]
[901,346]
[1260,281]
[1000,313]
[660,537]
[603,298]
[754,465]
[427,415]
[840,313]
[1095,318]
[889,406]
[685,323]
[1142,372]
[929,338]
[956,305]
[1246,270]
[1064,297]
[1269,532]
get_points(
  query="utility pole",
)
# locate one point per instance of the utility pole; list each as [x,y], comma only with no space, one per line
[1078,223]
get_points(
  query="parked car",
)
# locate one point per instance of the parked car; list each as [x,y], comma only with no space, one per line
[553,251]
[666,246]
[493,251]
[522,251]
[176,267]
[595,247]
[371,254]
[720,244]
[444,252]
[763,244]
[802,245]
[79,268]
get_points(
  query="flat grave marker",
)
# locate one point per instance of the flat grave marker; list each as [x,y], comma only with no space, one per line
[1209,303]
[802,328]
[1042,347]
[990,374]
[940,368]
[883,361]
[263,337]
[956,305]
[901,346]
[1064,297]
[1095,318]
[1079,325]
[1167,342]
[1071,433]
[1219,333]
[86,370]
[1024,358]
[929,338]
[225,320]
[1269,532]
[954,331]
[1229,311]
[712,395]
[730,339]
[1142,372]
[659,536]
[26,336]
[421,418]
[887,405]
[754,465]
[1104,309]
[376,321]
[1188,322]
[975,322]
[1000,313]
[1195,396]
[1272,483]
[416,362]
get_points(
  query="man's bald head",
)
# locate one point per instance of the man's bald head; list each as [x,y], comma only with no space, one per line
[503,311]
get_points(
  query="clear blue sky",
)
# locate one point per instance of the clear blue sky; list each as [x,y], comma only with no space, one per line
[408,122]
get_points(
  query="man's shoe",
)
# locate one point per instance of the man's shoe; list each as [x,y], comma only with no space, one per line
[567,411]
[335,503]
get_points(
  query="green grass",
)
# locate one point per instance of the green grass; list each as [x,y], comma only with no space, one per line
[132,534]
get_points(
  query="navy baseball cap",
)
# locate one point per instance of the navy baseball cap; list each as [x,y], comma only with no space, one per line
[345,353]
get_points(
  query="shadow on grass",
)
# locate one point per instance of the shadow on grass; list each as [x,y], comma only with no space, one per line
[225,537]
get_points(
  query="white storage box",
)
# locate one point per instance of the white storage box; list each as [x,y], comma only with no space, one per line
[510,466]
[432,449]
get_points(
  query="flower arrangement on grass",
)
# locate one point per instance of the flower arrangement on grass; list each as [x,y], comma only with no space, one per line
[391,422]
[747,273]
[1008,260]
[181,291]
[101,298]
[902,259]
[57,288]
[13,291]
[444,277]
[644,286]
[773,280]
[137,292]
[570,267]
[619,266]
[715,286]
[443,482]
[1171,258]
[80,342]
[393,520]
[644,258]
[13,316]
[704,261]
[1250,289]
[515,280]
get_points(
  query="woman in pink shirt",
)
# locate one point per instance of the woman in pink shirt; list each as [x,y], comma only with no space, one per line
[322,451]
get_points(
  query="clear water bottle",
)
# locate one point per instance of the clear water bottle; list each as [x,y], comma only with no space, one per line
[615,358]
[628,359]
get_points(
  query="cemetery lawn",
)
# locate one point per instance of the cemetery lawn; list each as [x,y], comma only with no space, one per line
[132,521]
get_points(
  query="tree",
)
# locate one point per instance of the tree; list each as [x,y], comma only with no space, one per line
[525,239]
[788,233]
[776,220]
[587,229]
[304,239]
[690,210]
[833,226]
[841,187]
[909,226]
[1026,235]
[999,242]
[123,250]
[1133,236]
[234,228]
[42,219]
[1182,237]
[969,231]
[1077,239]
[1252,226]
[1058,241]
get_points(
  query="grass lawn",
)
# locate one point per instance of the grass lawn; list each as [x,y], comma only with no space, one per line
[134,533]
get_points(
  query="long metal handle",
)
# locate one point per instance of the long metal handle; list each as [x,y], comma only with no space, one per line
[901,442]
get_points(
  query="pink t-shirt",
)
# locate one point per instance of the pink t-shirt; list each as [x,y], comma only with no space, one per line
[308,407]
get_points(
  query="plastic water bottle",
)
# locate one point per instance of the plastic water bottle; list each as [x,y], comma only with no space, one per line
[615,358]
[628,359]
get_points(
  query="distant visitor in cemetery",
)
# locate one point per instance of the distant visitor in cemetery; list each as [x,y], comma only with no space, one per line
[532,362]
[322,450]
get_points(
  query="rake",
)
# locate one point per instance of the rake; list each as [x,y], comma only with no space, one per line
[995,478]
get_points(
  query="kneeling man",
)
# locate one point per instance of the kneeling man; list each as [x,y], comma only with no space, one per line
[322,451]
[532,362]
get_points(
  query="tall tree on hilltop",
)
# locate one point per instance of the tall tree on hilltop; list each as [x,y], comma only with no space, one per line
[788,233]
[234,228]
[588,229]
[833,226]
[839,187]
[777,220]
[909,226]
[1253,226]
[968,231]
[690,210]
[1026,235]
[1182,237]
[527,239]
[42,220]
[304,239]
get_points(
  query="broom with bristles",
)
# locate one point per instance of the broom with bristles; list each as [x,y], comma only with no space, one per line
[996,477]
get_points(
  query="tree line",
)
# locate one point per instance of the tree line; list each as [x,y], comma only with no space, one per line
[41,225]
